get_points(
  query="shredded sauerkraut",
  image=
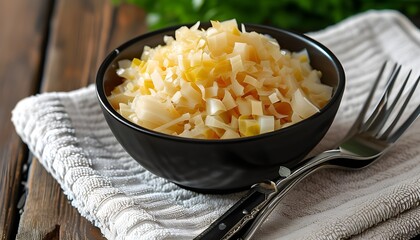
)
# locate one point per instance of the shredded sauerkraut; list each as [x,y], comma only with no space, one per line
[218,83]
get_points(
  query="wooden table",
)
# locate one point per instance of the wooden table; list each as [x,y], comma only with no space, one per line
[46,46]
[49,45]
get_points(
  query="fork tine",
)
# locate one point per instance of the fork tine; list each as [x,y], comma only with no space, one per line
[408,122]
[397,134]
[380,108]
[359,120]
[382,118]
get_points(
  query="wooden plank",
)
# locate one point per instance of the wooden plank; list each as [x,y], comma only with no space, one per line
[79,36]
[82,32]
[78,33]
[129,22]
[23,25]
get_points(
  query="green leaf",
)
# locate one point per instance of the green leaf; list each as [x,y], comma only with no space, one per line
[303,15]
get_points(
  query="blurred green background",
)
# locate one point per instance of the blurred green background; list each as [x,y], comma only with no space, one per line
[298,15]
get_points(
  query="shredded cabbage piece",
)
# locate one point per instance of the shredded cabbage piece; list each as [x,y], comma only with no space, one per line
[218,83]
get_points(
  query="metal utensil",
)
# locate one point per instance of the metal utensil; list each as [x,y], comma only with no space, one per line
[366,141]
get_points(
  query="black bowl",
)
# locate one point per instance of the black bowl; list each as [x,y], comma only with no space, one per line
[219,166]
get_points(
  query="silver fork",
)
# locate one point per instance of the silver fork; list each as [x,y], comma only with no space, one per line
[367,140]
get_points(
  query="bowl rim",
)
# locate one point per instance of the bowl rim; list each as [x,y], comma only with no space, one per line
[337,95]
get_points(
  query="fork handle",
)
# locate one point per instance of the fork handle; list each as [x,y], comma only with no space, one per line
[242,214]
[252,226]
[284,185]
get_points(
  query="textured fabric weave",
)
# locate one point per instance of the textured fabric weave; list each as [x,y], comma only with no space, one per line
[69,135]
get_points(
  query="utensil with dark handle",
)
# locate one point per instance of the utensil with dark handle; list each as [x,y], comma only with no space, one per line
[366,141]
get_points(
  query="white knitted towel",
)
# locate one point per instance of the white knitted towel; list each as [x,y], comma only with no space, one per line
[68,134]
